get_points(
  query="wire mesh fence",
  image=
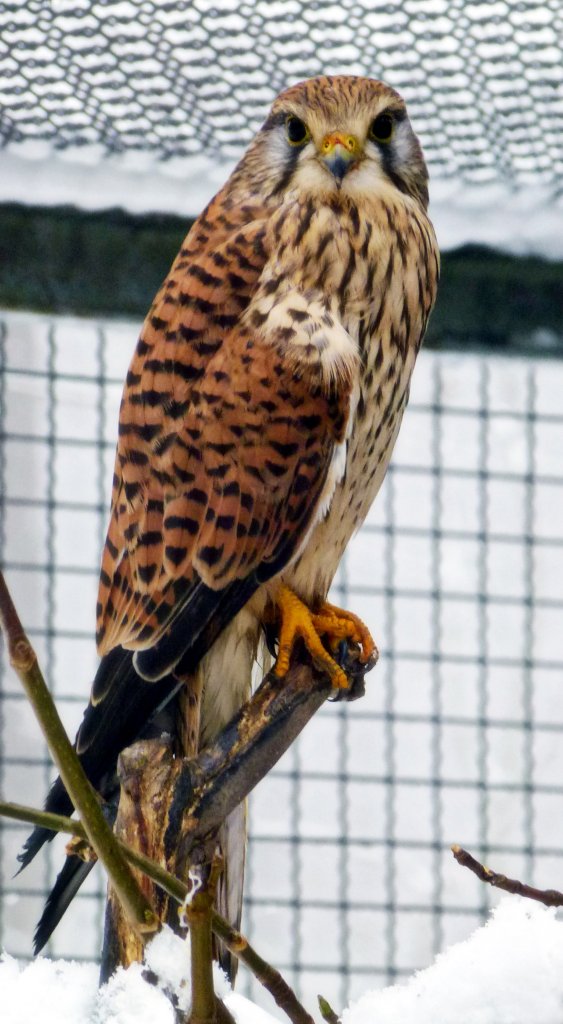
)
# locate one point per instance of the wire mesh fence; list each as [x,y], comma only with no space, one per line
[459,572]
[190,78]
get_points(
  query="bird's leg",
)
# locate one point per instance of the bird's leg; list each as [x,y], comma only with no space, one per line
[333,623]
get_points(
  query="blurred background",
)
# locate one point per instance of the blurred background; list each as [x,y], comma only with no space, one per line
[118,121]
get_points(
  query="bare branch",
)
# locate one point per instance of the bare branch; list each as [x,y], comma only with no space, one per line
[24,661]
[45,819]
[549,897]
[266,974]
[207,788]
[198,909]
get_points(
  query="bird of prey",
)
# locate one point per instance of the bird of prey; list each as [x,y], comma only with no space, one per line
[258,418]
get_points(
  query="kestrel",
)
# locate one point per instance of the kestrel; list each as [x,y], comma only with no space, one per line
[258,418]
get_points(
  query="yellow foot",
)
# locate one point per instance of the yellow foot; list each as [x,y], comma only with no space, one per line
[298,621]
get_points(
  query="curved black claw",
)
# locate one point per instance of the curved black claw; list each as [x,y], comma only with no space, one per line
[271,635]
[348,657]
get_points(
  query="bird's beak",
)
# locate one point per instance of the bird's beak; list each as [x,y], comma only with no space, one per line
[340,151]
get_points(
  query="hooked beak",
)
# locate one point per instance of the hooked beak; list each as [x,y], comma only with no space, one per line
[340,151]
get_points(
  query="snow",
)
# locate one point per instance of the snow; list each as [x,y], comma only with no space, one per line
[508,972]
[66,992]
[521,221]
[129,999]
[58,991]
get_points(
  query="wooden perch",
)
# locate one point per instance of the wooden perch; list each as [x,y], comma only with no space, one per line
[171,807]
[549,897]
[207,788]
[145,773]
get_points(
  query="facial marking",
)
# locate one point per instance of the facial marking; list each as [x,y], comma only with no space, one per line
[403,143]
[347,109]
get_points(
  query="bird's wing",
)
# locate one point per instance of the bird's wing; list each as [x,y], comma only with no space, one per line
[227,431]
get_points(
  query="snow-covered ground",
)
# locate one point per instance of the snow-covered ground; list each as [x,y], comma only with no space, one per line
[459,738]
[507,972]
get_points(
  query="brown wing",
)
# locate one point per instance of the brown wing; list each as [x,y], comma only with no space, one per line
[224,444]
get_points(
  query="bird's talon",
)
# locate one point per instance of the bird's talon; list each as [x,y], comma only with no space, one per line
[343,625]
[337,627]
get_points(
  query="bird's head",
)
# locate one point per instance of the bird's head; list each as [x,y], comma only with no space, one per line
[339,134]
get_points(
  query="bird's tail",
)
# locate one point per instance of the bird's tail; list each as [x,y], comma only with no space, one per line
[232,846]
[226,676]
[69,879]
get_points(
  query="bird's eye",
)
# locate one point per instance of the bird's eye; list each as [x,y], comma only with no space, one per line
[297,131]
[382,128]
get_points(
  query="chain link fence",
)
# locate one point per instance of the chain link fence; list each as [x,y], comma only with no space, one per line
[459,572]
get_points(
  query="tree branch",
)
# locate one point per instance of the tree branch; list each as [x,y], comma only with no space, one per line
[24,661]
[171,807]
[199,793]
[192,797]
[549,897]
[45,819]
[208,787]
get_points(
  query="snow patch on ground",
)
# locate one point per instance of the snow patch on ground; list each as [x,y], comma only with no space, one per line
[63,992]
[52,991]
[129,999]
[508,972]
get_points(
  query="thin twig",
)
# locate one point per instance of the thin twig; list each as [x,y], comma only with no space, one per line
[549,897]
[238,945]
[24,661]
[59,823]
[45,819]
[264,972]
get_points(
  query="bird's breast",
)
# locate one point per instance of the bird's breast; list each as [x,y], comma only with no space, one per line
[384,287]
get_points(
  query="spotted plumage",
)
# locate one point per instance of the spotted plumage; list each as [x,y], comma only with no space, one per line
[262,403]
